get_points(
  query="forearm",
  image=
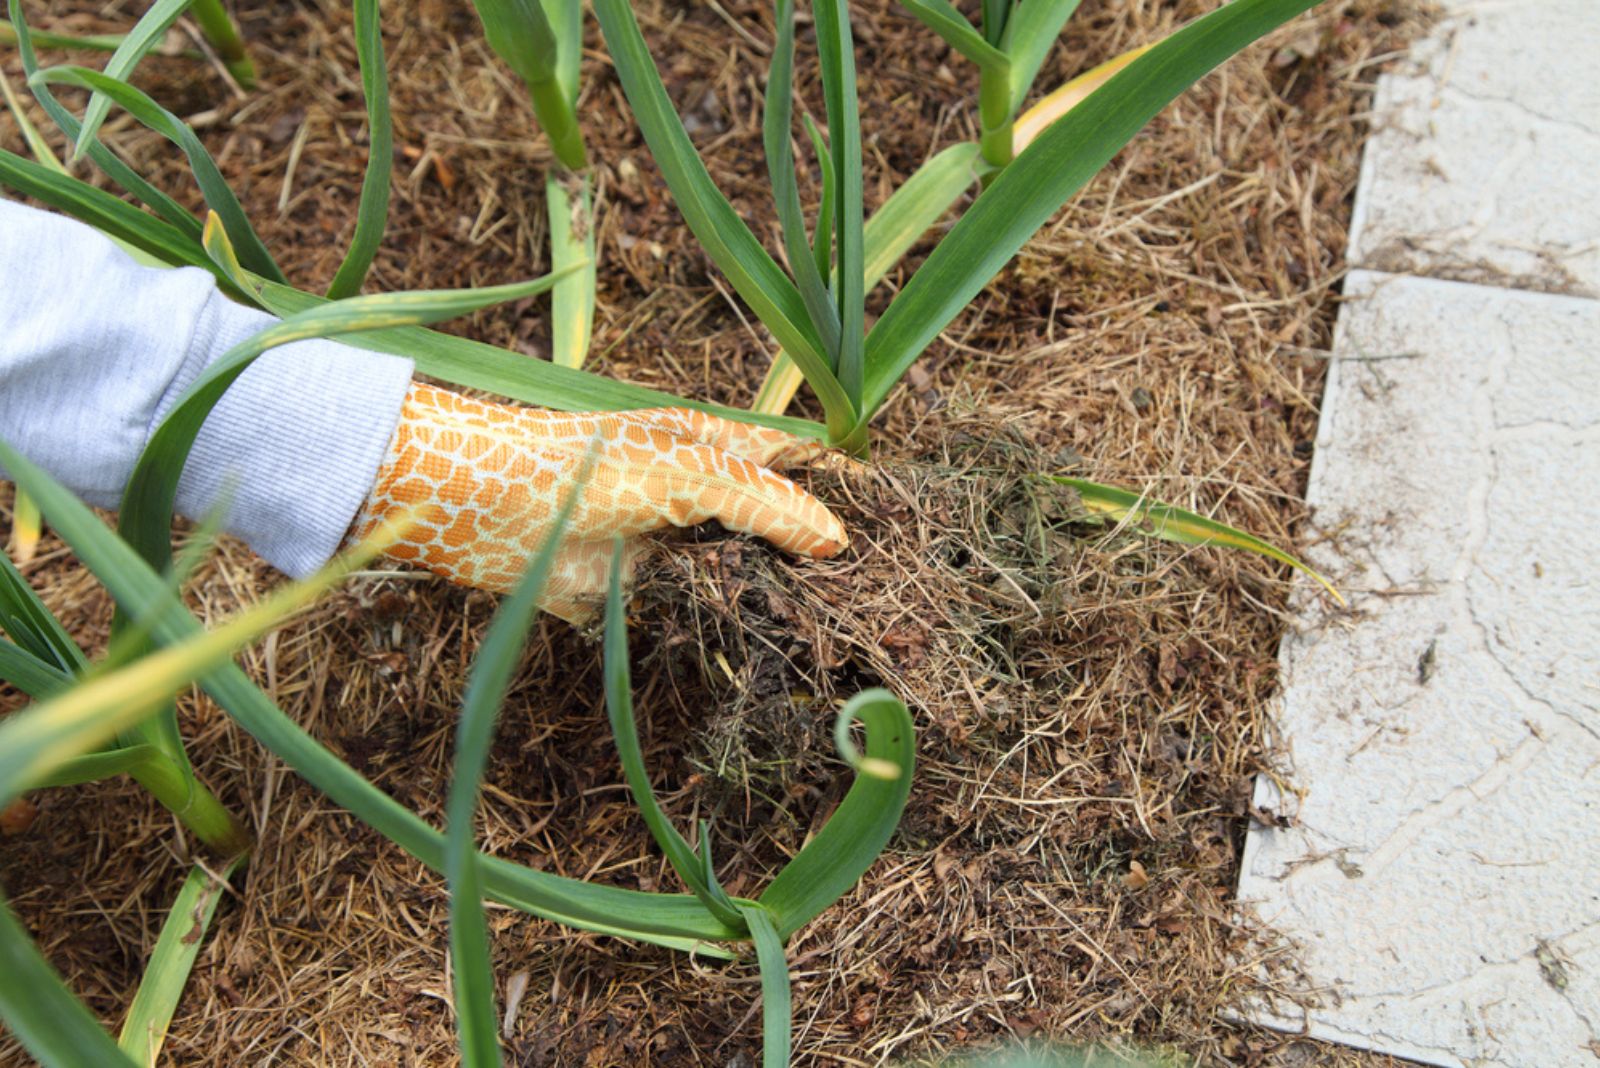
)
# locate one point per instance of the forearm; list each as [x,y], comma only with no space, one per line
[95,350]
[292,449]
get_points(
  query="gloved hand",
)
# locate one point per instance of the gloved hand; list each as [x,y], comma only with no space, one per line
[489,478]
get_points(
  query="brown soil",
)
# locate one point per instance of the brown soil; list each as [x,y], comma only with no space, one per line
[1091,707]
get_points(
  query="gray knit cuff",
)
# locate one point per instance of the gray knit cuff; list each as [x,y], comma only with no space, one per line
[293,447]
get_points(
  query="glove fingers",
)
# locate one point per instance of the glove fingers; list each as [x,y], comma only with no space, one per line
[758,444]
[687,483]
[641,429]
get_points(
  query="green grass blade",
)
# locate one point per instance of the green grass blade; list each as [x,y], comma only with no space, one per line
[1040,180]
[995,15]
[44,39]
[28,673]
[144,36]
[115,218]
[912,209]
[676,920]
[822,239]
[38,1008]
[910,212]
[1047,111]
[486,691]
[373,211]
[1171,523]
[172,780]
[93,767]
[219,250]
[27,527]
[720,230]
[836,49]
[713,891]
[776,123]
[556,103]
[560,122]
[30,133]
[521,34]
[480,366]
[48,670]
[566,23]
[224,37]
[35,741]
[1031,32]
[556,99]
[942,18]
[571,241]
[694,869]
[776,1021]
[851,840]
[167,973]
[89,42]
[119,172]
[994,117]
[213,187]
[32,626]
[167,777]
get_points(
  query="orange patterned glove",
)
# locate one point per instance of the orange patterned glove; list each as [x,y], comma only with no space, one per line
[487,480]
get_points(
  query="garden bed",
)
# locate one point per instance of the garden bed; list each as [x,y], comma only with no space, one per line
[1091,706]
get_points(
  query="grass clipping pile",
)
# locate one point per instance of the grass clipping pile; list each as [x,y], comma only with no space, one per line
[1091,704]
[1065,866]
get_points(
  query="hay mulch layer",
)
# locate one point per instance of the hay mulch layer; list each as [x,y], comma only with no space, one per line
[1091,705]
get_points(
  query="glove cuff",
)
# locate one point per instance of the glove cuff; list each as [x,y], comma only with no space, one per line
[292,449]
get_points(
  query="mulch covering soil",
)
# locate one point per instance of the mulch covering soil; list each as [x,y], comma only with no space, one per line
[1091,705]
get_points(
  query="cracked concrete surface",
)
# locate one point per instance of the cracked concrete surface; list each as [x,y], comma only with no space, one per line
[1440,874]
[1470,172]
[1442,877]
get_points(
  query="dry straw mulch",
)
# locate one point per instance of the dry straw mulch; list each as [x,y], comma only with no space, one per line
[1091,706]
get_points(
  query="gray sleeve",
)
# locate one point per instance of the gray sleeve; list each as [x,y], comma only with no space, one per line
[94,350]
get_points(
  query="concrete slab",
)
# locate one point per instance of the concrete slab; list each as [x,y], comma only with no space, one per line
[1442,873]
[1472,172]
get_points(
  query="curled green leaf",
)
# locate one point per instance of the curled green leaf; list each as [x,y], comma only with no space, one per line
[861,826]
